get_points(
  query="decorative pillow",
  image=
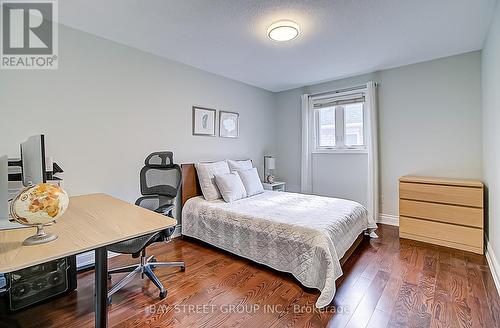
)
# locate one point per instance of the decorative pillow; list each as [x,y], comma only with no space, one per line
[230,186]
[239,165]
[251,181]
[206,175]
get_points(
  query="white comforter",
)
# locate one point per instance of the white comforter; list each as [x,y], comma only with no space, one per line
[304,235]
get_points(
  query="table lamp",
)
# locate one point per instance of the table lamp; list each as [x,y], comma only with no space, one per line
[269,165]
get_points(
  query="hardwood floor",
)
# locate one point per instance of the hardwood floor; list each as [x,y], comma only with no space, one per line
[387,283]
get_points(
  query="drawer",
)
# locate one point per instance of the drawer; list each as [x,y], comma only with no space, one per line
[467,216]
[460,235]
[467,196]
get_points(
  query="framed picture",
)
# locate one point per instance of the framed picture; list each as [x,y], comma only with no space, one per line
[203,121]
[229,125]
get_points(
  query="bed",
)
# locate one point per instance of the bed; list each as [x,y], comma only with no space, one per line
[305,235]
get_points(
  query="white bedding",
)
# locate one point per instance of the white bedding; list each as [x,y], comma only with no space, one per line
[304,235]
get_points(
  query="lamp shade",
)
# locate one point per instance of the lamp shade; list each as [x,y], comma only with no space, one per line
[270,163]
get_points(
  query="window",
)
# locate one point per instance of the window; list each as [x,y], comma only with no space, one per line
[353,125]
[326,119]
[339,124]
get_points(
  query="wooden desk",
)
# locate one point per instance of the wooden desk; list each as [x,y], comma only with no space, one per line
[91,223]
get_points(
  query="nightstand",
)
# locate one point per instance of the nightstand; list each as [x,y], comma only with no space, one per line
[276,186]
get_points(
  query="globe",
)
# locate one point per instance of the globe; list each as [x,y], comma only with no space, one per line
[39,205]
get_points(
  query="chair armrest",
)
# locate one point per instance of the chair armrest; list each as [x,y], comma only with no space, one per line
[165,209]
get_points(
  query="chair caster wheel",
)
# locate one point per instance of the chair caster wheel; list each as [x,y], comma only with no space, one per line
[163,295]
[110,300]
[183,268]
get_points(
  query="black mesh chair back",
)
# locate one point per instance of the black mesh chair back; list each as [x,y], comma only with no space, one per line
[150,203]
[160,176]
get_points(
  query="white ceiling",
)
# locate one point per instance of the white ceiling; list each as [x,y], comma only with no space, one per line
[339,37]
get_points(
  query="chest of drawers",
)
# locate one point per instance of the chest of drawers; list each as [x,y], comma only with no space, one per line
[446,212]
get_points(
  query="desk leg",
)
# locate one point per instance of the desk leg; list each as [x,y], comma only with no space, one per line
[101,288]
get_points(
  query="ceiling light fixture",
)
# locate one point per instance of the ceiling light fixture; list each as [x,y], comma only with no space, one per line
[283,30]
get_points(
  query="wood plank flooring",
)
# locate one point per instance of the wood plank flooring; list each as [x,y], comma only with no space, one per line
[387,282]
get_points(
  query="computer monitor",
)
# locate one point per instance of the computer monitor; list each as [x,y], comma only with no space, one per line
[4,189]
[33,160]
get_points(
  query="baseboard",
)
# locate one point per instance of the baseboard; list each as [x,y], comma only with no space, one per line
[388,219]
[86,260]
[493,264]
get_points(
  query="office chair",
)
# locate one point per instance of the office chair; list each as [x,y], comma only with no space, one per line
[160,181]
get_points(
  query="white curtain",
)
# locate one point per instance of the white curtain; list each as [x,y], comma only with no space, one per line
[371,120]
[306,170]
[371,112]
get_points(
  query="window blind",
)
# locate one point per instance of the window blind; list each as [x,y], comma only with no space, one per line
[343,100]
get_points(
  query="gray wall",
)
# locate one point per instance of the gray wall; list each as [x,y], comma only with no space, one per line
[288,137]
[429,124]
[340,175]
[491,132]
[108,106]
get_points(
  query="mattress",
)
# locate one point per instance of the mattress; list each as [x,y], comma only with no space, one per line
[305,235]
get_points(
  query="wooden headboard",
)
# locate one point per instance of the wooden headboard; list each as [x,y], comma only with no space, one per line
[190,184]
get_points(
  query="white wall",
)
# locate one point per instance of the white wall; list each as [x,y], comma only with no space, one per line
[429,124]
[108,106]
[491,132]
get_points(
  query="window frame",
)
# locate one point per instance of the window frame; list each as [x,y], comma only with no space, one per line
[340,127]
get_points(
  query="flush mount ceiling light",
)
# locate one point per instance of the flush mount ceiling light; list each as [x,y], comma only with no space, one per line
[283,30]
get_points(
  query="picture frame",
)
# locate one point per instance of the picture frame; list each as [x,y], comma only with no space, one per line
[229,125]
[204,121]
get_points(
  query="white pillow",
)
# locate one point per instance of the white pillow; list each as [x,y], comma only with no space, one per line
[239,165]
[206,175]
[230,186]
[251,181]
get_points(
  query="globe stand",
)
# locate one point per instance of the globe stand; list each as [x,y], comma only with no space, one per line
[41,237]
